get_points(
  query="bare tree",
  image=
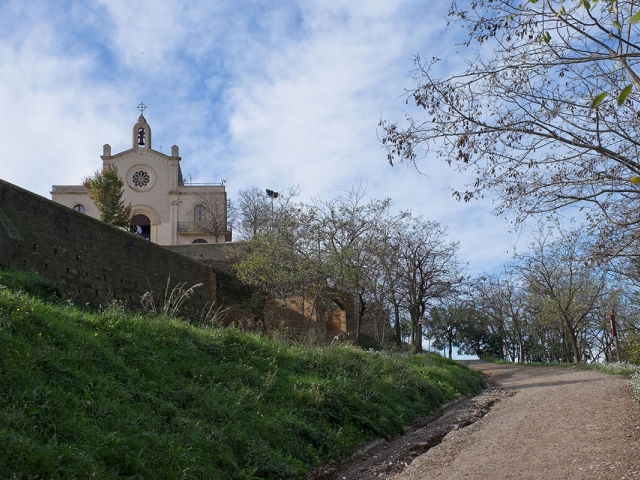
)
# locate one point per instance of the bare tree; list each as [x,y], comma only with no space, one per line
[350,241]
[280,254]
[501,300]
[256,213]
[554,270]
[428,268]
[544,114]
[253,212]
[389,267]
[389,263]
[209,214]
[444,325]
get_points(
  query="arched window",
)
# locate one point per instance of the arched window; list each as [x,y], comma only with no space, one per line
[198,213]
[141,136]
[199,240]
[79,208]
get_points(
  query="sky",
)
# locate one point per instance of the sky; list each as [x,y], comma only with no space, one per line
[266,93]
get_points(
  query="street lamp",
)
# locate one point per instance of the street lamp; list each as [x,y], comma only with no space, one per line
[271,194]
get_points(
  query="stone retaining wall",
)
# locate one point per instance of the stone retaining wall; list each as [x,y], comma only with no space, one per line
[91,262]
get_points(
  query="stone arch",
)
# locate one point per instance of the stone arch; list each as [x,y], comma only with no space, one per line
[148,211]
[336,314]
[154,220]
[339,302]
[141,225]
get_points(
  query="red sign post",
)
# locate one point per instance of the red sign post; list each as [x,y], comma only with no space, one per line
[612,318]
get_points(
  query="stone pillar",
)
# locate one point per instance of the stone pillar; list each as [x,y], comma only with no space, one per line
[174,175]
[106,155]
[173,222]
[175,166]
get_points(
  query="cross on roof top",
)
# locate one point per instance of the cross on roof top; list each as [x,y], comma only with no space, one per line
[142,108]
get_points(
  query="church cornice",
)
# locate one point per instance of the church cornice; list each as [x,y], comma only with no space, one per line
[170,160]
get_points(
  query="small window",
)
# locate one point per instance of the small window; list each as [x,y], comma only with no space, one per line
[199,240]
[198,213]
[79,208]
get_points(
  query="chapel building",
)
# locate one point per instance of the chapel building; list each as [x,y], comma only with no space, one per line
[165,208]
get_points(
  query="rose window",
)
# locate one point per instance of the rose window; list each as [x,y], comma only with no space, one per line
[141,179]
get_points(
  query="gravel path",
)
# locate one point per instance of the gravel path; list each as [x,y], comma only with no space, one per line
[560,423]
[532,423]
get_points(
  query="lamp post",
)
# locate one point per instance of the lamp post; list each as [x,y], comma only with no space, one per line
[271,194]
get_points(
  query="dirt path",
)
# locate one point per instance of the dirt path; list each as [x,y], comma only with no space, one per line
[533,423]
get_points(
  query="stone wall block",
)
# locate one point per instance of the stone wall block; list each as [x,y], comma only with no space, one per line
[92,262]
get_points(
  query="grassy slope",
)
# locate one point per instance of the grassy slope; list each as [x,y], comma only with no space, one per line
[115,394]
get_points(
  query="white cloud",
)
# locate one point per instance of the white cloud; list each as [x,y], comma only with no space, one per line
[143,32]
[268,95]
[51,114]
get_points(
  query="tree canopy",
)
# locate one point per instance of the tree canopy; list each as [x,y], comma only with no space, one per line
[105,188]
[544,114]
[395,266]
[549,305]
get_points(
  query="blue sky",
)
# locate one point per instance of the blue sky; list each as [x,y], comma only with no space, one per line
[265,93]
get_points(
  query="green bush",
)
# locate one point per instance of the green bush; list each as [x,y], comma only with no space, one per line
[631,350]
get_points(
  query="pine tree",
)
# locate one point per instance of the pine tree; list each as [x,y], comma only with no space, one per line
[105,189]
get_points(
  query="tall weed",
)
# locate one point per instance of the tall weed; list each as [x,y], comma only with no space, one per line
[171,304]
[211,316]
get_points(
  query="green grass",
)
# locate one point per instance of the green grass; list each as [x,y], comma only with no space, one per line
[634,380]
[113,394]
[31,284]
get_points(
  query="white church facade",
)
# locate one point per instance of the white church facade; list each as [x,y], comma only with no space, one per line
[162,205]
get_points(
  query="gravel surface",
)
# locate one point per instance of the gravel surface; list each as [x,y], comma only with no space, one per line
[532,423]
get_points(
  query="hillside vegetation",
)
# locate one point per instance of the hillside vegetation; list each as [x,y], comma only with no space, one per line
[118,394]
